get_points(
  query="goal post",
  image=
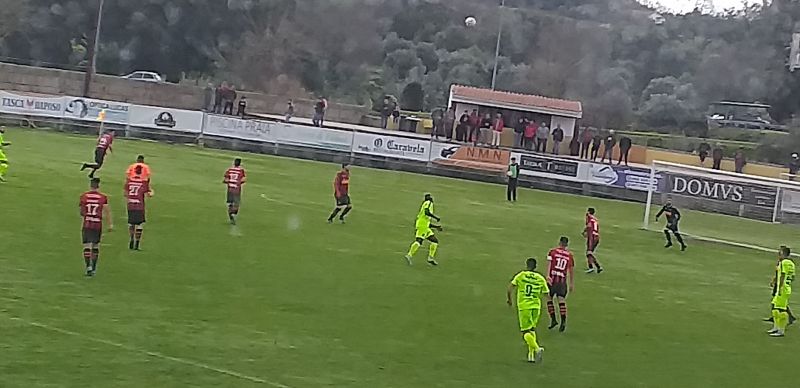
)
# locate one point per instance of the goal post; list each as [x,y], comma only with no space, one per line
[740,209]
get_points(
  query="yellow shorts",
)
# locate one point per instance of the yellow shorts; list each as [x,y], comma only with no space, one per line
[424,233]
[528,319]
[780,302]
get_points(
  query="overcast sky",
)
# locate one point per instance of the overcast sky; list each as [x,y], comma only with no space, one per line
[688,5]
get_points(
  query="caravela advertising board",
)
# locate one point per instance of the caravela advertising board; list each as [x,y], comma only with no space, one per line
[633,178]
[23,104]
[88,109]
[167,119]
[305,136]
[232,127]
[391,146]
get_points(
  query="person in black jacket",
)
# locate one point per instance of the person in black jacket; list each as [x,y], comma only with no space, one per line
[716,155]
[513,175]
[596,141]
[625,145]
[608,150]
[702,152]
[673,217]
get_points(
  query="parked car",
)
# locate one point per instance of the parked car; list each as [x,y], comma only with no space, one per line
[146,76]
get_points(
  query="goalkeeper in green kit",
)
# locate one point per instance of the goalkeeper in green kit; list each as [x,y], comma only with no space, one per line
[424,231]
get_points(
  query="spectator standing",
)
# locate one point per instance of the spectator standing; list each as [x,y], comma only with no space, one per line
[497,129]
[386,112]
[625,145]
[541,137]
[608,151]
[586,142]
[208,98]
[794,166]
[739,160]
[242,107]
[437,115]
[218,92]
[486,127]
[229,98]
[449,121]
[558,137]
[513,175]
[597,140]
[574,146]
[319,112]
[474,130]
[289,111]
[716,156]
[529,137]
[702,152]
[519,131]
[462,129]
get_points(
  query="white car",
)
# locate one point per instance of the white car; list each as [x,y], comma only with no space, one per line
[146,76]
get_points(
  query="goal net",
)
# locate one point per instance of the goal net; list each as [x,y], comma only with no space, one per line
[737,209]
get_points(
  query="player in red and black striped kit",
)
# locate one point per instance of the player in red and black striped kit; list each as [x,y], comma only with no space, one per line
[94,209]
[103,147]
[560,280]
[234,178]
[592,234]
[341,192]
[136,188]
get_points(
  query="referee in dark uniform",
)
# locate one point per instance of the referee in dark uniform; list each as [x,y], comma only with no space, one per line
[513,174]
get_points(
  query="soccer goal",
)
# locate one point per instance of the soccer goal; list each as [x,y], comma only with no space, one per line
[737,209]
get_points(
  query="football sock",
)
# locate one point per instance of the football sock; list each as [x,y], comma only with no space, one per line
[335,212]
[138,237]
[344,213]
[530,339]
[3,169]
[781,320]
[679,238]
[95,256]
[593,261]
[562,307]
[669,238]
[551,309]
[589,261]
[87,256]
[414,248]
[432,250]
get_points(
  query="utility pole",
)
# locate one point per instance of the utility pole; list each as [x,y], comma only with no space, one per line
[91,61]
[499,36]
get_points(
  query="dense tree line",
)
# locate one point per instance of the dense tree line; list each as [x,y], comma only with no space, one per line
[607,53]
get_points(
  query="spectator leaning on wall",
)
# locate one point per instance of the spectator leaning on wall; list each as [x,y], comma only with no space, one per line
[794,166]
[242,107]
[702,152]
[625,145]
[541,137]
[739,160]
[289,111]
[716,155]
[586,142]
[608,151]
[529,137]
[449,121]
[519,131]
[462,129]
[597,140]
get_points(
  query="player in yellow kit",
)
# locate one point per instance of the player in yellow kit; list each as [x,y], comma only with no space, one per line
[3,159]
[424,231]
[530,287]
[784,275]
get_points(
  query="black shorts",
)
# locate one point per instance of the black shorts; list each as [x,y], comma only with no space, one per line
[672,226]
[99,156]
[136,217]
[591,243]
[233,198]
[91,236]
[343,200]
[559,289]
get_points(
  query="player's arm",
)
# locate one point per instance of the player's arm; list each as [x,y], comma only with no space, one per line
[107,216]
[431,215]
[781,282]
[571,273]
[677,214]
[509,292]
[660,212]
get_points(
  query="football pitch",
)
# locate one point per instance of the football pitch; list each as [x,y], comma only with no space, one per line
[286,300]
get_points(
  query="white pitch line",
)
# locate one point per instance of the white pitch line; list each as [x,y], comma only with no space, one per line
[151,353]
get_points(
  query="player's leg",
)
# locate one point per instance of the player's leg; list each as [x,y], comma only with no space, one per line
[678,236]
[233,206]
[779,315]
[529,335]
[792,318]
[347,208]
[669,238]
[99,157]
[87,251]
[591,256]
[3,167]
[551,308]
[95,251]
[414,247]
[335,211]
[433,245]
[137,234]
[562,307]
[131,232]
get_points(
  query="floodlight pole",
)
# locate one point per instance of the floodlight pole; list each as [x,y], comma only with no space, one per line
[499,36]
[91,62]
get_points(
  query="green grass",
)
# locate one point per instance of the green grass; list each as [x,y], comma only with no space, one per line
[287,299]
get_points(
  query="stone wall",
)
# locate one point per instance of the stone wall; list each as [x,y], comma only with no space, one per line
[52,81]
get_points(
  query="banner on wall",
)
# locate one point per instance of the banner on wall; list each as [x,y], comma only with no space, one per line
[476,158]
[31,105]
[88,109]
[167,119]
[305,136]
[720,190]
[232,127]
[391,146]
[632,178]
[538,165]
